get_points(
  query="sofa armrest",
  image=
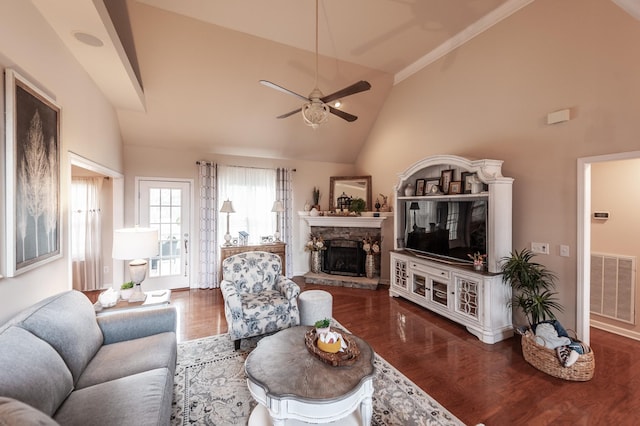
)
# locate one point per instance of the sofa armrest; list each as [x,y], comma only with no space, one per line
[136,323]
[287,287]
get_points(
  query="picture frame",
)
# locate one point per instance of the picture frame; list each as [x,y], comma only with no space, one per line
[431,183]
[465,177]
[420,186]
[455,187]
[446,176]
[32,167]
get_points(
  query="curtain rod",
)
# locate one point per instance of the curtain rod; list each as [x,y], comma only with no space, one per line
[244,167]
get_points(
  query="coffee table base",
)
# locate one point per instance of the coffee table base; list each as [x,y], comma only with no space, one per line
[356,407]
[260,417]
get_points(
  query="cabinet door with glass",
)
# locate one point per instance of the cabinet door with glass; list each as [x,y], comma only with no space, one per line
[468,296]
[439,294]
[398,272]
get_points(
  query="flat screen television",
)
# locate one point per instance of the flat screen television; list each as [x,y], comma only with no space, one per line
[446,229]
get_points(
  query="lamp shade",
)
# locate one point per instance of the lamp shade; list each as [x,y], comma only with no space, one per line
[414,206]
[135,243]
[227,207]
[277,207]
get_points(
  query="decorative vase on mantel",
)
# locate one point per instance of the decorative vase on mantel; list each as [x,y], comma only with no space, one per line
[316,259]
[369,266]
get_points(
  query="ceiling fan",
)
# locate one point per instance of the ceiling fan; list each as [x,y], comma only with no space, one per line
[316,108]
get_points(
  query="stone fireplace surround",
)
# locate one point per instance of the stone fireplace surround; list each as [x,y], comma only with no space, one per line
[346,228]
[340,238]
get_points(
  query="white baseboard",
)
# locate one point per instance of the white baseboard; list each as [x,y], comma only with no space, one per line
[615,330]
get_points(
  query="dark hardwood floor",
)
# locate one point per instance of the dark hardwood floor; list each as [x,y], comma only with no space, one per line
[477,382]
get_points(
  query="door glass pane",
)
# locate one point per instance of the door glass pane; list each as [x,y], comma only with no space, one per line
[164,215]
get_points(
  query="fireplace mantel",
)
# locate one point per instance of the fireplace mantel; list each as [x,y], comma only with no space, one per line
[345,221]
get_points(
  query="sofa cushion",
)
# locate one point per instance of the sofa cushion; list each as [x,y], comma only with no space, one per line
[32,371]
[268,304]
[141,399]
[122,359]
[67,322]
[13,412]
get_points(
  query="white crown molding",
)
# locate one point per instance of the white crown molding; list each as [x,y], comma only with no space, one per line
[478,27]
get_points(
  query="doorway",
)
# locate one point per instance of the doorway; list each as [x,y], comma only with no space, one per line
[166,206]
[111,208]
[583,294]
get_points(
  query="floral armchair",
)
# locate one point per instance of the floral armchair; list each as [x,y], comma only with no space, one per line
[258,299]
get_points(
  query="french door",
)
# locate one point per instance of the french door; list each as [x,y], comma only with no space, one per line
[166,205]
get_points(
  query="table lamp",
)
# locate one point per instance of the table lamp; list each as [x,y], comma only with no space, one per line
[227,208]
[136,244]
[277,209]
[414,206]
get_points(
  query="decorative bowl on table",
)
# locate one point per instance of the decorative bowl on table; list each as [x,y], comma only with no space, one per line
[332,346]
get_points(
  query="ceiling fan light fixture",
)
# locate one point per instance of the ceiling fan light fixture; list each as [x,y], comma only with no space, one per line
[315,113]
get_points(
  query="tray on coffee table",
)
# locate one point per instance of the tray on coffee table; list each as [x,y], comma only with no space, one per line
[347,357]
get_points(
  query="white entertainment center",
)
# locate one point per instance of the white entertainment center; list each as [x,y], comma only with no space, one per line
[478,300]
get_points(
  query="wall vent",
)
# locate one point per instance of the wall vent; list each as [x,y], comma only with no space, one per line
[613,282]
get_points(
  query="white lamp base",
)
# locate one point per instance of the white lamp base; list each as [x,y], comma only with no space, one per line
[137,273]
[227,239]
[137,295]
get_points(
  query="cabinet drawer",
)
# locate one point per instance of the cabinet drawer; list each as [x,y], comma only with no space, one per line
[441,273]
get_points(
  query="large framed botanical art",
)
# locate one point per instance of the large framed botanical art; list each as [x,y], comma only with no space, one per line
[33,176]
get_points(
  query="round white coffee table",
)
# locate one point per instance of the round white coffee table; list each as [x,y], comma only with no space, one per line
[294,387]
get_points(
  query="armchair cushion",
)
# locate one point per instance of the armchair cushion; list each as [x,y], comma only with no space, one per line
[258,299]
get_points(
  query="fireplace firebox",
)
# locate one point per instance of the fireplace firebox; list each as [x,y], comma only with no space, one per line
[344,257]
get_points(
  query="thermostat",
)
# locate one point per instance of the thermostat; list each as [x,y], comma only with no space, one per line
[601,215]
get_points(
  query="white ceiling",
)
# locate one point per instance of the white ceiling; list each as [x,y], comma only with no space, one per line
[199,63]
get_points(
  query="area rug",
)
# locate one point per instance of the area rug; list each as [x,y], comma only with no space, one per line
[210,388]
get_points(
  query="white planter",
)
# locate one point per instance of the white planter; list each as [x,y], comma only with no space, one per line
[125,294]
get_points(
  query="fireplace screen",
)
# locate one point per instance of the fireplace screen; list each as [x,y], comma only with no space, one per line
[344,257]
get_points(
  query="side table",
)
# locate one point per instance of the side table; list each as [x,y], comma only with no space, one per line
[153,298]
[291,385]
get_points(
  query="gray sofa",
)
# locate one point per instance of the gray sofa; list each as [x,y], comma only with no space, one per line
[60,364]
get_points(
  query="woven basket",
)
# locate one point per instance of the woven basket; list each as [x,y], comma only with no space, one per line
[546,360]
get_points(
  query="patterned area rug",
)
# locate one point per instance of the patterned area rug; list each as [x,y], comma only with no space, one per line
[211,389]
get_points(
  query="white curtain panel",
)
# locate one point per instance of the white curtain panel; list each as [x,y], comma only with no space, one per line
[252,192]
[86,235]
[208,251]
[284,194]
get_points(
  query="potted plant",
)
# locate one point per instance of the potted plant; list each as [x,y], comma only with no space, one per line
[532,285]
[357,205]
[126,290]
[322,326]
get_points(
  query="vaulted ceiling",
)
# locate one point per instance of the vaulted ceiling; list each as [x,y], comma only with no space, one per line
[185,74]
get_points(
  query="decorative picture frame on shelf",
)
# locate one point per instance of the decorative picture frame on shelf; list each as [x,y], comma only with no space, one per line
[467,178]
[32,167]
[445,179]
[420,186]
[433,186]
[455,187]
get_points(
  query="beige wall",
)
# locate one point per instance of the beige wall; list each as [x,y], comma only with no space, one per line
[149,162]
[88,127]
[614,189]
[490,98]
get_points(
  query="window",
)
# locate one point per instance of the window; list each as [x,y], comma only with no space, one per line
[252,192]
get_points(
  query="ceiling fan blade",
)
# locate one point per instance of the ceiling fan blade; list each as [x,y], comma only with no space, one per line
[282,89]
[358,87]
[344,115]
[289,114]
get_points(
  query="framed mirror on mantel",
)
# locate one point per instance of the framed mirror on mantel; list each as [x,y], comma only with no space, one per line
[351,186]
